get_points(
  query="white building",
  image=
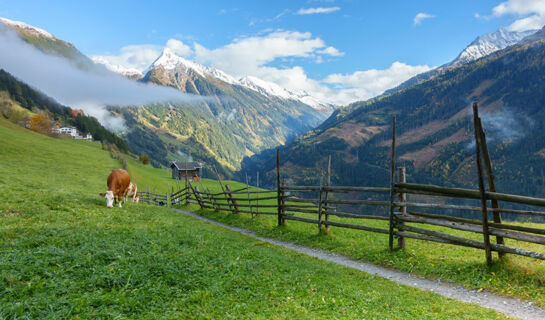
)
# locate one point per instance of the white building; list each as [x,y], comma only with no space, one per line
[72,131]
[68,130]
[85,136]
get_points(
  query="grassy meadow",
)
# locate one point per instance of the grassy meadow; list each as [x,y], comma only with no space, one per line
[64,255]
[514,276]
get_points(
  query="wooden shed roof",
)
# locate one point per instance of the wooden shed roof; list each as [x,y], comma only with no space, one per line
[185,166]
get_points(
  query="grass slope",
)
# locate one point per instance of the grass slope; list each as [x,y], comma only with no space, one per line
[63,254]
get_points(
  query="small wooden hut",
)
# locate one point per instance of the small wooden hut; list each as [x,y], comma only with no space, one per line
[181,169]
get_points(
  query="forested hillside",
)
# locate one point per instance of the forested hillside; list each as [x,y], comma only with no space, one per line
[18,94]
[435,131]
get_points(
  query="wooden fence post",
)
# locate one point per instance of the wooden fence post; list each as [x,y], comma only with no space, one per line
[283,202]
[278,193]
[248,192]
[486,235]
[320,203]
[257,195]
[491,181]
[230,194]
[199,197]
[188,188]
[194,193]
[169,196]
[392,195]
[328,183]
[222,188]
[401,178]
[214,201]
[209,197]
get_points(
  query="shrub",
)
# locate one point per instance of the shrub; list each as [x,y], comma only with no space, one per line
[40,124]
[144,159]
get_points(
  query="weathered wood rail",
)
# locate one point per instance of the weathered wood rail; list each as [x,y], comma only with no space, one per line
[402,210]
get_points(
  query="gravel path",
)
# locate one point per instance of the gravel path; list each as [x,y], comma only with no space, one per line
[509,306]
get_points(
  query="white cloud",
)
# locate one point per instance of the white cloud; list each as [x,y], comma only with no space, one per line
[317,10]
[331,51]
[530,13]
[140,57]
[89,90]
[421,16]
[179,48]
[137,57]
[369,83]
[244,56]
[253,56]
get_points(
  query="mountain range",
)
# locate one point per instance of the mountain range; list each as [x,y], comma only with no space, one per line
[237,117]
[169,60]
[435,132]
[248,117]
[480,47]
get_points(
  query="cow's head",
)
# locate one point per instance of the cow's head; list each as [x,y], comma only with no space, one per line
[109,195]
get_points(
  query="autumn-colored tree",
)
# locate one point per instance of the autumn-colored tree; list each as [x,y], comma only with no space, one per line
[76,113]
[40,124]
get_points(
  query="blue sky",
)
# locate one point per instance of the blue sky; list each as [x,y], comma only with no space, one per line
[302,45]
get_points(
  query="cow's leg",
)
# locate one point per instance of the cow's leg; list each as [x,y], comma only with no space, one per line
[135,194]
[117,200]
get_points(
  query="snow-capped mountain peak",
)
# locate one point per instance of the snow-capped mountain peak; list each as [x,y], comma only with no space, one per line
[272,89]
[265,87]
[26,27]
[168,60]
[489,43]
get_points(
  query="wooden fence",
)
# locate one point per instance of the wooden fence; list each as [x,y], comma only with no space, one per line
[407,210]
[154,198]
[120,159]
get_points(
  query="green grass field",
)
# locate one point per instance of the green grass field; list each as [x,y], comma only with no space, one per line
[513,276]
[64,255]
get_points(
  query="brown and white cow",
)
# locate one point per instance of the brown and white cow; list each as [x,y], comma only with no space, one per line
[132,190]
[118,182]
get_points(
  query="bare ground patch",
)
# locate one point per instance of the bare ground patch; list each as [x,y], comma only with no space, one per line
[423,156]
[354,134]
